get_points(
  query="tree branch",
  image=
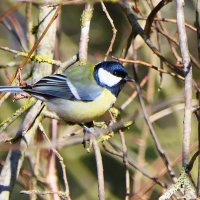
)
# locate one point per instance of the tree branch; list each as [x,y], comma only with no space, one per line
[188,80]
[85,28]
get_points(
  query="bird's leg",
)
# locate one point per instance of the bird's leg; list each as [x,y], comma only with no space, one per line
[88,131]
[19,77]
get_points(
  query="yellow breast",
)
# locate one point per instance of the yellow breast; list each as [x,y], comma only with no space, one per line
[81,112]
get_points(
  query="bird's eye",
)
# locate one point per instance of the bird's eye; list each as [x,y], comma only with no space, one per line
[116,73]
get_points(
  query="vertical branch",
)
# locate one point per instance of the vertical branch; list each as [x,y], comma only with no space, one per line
[99,164]
[188,80]
[29,22]
[198,25]
[85,28]
[197,113]
[126,163]
[52,178]
[47,44]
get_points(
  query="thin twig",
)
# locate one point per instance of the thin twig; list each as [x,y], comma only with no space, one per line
[174,21]
[60,158]
[171,44]
[162,172]
[150,66]
[138,30]
[7,122]
[114,30]
[193,59]
[152,131]
[67,63]
[39,58]
[9,64]
[134,94]
[134,165]
[167,111]
[145,130]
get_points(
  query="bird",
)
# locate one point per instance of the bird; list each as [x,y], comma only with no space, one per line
[80,95]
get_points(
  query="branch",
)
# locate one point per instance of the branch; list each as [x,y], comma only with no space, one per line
[138,30]
[198,25]
[43,59]
[174,21]
[27,131]
[7,122]
[188,80]
[152,131]
[197,113]
[133,164]
[193,59]
[85,28]
[125,161]
[152,15]
[114,30]
[183,181]
[99,164]
[60,158]
[33,57]
[14,160]
[150,66]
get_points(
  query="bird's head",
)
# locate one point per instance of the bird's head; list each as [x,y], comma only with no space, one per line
[111,75]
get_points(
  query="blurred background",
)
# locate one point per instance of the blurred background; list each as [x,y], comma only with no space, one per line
[163,97]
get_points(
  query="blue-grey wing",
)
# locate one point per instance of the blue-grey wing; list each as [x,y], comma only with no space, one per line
[59,86]
[87,91]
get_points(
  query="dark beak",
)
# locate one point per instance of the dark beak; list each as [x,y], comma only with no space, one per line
[129,79]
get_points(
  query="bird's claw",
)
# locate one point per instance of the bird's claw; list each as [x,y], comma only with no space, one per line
[20,96]
[88,133]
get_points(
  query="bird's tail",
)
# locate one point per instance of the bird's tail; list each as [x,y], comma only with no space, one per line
[11,89]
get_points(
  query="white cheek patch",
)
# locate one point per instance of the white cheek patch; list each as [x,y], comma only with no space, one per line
[107,78]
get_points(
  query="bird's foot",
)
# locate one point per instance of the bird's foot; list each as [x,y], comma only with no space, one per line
[100,131]
[87,138]
[20,96]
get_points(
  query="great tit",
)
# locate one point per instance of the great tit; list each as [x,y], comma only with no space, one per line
[82,93]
